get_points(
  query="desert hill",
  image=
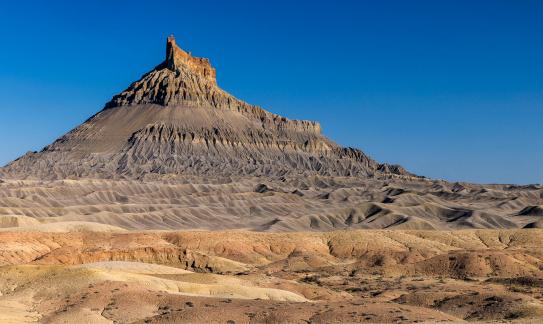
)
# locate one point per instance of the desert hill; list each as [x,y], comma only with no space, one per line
[176,120]
[174,151]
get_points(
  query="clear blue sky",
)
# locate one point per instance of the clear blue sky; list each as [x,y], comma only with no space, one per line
[448,89]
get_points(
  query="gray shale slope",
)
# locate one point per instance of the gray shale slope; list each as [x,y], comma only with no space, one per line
[176,120]
[174,151]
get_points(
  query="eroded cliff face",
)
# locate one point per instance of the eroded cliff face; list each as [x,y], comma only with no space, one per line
[176,120]
[184,80]
[177,57]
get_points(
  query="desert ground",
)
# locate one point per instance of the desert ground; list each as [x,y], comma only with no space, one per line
[290,203]
[253,277]
[296,250]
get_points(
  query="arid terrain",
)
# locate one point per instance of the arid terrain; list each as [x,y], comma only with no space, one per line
[312,203]
[244,277]
[178,202]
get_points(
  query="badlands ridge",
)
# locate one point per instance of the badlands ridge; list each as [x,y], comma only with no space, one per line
[178,202]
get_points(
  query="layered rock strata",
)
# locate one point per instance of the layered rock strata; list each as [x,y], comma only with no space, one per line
[176,120]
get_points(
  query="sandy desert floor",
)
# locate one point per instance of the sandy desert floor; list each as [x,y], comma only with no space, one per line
[251,277]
